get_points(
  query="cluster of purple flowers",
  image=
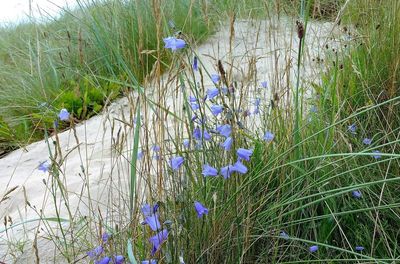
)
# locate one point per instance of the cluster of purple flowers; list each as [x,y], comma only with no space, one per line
[151,218]
[226,171]
[366,141]
[201,133]
[313,248]
[97,254]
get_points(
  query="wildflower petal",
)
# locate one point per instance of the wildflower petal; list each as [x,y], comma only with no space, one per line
[215,78]
[153,222]
[352,128]
[174,43]
[200,209]
[94,253]
[359,248]
[151,261]
[227,171]
[157,240]
[377,154]
[227,144]
[216,109]
[140,155]
[239,167]
[198,135]
[367,141]
[244,153]
[105,237]
[269,136]
[224,130]
[212,92]
[176,162]
[209,171]
[119,259]
[313,249]
[195,64]
[44,166]
[104,260]
[194,106]
[186,143]
[146,210]
[63,115]
[264,84]
[356,194]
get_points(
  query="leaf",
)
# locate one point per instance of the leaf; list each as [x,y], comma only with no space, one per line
[131,257]
[134,159]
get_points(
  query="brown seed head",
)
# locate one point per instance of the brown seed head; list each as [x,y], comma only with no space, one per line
[300,29]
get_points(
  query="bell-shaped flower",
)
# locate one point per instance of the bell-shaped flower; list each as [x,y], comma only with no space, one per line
[244,153]
[209,171]
[174,43]
[227,144]
[176,162]
[200,209]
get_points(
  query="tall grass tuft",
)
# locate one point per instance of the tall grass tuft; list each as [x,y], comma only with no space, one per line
[67,63]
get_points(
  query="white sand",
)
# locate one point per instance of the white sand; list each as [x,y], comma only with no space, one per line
[274,50]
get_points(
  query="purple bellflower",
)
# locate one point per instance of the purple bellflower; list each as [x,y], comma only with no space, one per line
[95,253]
[63,115]
[119,259]
[151,217]
[216,109]
[313,249]
[356,194]
[197,134]
[367,141]
[105,237]
[212,92]
[377,154]
[244,153]
[209,171]
[352,128]
[195,64]
[227,144]
[224,130]
[176,162]
[264,84]
[215,78]
[227,171]
[157,240]
[44,166]
[200,209]
[186,143]
[174,43]
[151,261]
[104,260]
[359,248]
[268,136]
[239,167]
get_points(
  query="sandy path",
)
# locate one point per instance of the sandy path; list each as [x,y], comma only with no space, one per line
[268,46]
